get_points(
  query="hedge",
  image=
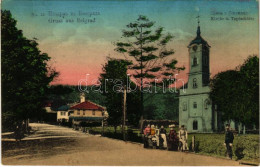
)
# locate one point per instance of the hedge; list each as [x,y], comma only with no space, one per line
[245,147]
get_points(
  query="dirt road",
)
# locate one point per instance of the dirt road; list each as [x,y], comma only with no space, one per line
[55,145]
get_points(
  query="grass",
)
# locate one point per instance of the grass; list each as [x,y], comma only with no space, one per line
[245,147]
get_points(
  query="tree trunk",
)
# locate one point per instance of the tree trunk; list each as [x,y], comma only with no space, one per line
[141,124]
[239,128]
[244,130]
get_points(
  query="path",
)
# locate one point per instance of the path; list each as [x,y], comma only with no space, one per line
[55,145]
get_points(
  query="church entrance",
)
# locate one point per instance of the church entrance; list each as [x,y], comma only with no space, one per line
[195,125]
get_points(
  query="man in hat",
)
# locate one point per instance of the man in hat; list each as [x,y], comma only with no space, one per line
[229,137]
[183,137]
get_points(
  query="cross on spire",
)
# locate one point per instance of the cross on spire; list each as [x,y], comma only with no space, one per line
[198,29]
[198,17]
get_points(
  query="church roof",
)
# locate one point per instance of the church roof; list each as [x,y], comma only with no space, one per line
[199,39]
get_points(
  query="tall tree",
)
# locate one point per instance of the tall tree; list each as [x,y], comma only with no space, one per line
[146,46]
[249,71]
[25,73]
[236,93]
[225,93]
[113,79]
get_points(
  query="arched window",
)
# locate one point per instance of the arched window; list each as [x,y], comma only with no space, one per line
[184,106]
[195,125]
[194,105]
[195,83]
[195,61]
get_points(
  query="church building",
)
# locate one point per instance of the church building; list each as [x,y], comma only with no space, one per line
[195,107]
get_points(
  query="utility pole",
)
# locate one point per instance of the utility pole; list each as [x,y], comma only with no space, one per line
[124,113]
[103,126]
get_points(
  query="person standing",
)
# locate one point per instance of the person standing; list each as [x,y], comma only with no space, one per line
[229,137]
[183,137]
[147,132]
[152,130]
[162,138]
[172,139]
[17,133]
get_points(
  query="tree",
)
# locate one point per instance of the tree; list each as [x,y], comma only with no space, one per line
[61,95]
[225,93]
[236,93]
[25,73]
[147,48]
[161,106]
[133,102]
[250,85]
[114,72]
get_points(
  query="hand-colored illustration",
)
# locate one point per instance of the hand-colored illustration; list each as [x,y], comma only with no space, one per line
[122,83]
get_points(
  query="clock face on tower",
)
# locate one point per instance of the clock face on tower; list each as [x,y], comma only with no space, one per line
[195,47]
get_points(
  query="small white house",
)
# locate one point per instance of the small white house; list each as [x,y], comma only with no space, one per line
[63,114]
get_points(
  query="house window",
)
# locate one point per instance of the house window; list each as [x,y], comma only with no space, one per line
[195,83]
[93,112]
[184,106]
[78,112]
[195,61]
[195,125]
[194,105]
[84,112]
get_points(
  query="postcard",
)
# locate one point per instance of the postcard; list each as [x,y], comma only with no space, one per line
[130,83]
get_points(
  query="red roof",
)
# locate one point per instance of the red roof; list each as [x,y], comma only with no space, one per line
[87,105]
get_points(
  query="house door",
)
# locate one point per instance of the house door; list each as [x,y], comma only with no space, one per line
[195,125]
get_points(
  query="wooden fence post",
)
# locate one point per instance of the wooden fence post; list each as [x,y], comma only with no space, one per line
[193,143]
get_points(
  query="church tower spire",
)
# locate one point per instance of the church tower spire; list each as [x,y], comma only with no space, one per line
[198,39]
[198,29]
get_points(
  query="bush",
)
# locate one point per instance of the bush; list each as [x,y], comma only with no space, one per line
[245,147]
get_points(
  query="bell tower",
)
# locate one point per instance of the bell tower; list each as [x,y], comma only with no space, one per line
[195,107]
[199,61]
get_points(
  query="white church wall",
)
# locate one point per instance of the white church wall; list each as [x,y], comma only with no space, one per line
[202,115]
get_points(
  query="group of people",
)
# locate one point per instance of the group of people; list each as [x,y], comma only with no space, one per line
[175,141]
[178,140]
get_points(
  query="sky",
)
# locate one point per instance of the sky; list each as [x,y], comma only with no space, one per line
[77,49]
